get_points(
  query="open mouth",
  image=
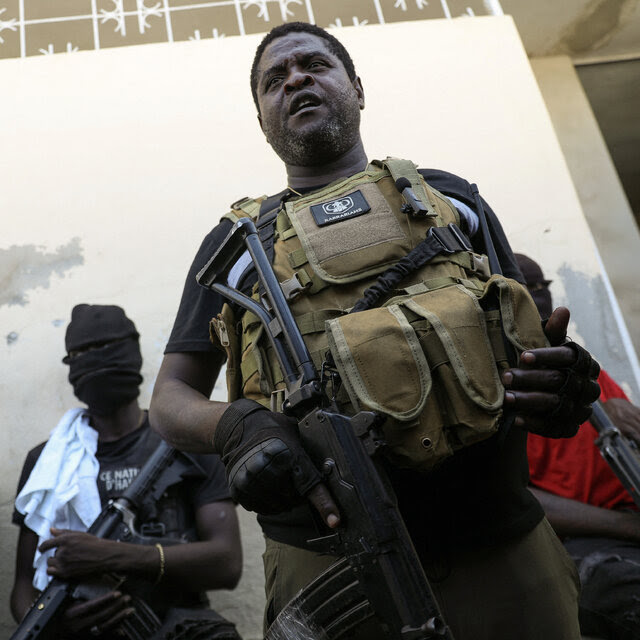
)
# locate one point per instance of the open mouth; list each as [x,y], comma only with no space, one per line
[303,102]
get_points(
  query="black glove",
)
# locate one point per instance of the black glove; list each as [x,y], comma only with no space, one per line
[267,468]
[578,392]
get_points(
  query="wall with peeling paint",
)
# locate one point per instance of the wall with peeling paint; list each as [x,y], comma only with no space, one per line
[582,29]
[120,161]
[606,209]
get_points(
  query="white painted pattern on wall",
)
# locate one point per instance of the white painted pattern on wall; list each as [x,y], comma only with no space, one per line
[40,27]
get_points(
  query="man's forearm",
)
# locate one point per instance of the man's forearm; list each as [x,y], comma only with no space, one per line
[185,418]
[22,598]
[573,518]
[195,566]
[180,408]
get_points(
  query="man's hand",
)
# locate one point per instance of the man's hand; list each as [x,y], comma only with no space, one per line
[99,617]
[625,416]
[78,554]
[552,390]
[267,468]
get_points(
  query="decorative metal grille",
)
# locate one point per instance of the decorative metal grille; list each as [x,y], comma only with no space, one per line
[44,27]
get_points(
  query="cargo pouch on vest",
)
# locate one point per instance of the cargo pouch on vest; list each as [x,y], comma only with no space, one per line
[427,362]
[519,314]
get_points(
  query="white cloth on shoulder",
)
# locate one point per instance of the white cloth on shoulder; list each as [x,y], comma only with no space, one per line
[61,490]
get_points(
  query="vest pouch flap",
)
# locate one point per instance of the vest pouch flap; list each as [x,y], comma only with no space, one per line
[427,363]
[456,342]
[520,317]
[381,362]
[351,232]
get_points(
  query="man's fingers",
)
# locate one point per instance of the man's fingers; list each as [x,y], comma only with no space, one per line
[541,380]
[625,416]
[551,357]
[321,499]
[556,327]
[115,619]
[113,601]
[581,389]
[531,402]
[51,543]
[104,611]
[54,541]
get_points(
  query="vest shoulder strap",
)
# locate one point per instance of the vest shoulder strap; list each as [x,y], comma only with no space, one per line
[399,168]
[245,208]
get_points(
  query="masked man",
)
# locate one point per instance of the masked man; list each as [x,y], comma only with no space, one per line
[344,234]
[91,457]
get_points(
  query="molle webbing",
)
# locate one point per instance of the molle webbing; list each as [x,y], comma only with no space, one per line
[400,301]
[439,240]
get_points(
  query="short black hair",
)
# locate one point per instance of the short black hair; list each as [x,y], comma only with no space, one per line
[335,46]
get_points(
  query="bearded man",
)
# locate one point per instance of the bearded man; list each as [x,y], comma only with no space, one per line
[494,563]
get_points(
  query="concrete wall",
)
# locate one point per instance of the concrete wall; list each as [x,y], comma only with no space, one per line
[120,161]
[602,199]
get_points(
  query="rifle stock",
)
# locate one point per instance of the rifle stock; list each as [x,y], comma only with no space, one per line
[381,573]
[164,468]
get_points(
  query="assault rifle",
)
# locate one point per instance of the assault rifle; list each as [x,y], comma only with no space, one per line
[379,573]
[621,454]
[164,468]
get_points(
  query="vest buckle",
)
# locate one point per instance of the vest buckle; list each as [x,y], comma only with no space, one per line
[237,205]
[450,238]
[277,400]
[293,287]
[480,264]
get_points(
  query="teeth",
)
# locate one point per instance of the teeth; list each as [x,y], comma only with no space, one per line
[305,103]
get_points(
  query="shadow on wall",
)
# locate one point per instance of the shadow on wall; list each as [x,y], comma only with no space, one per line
[592,315]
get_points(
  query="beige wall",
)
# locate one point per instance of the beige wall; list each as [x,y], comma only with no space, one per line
[601,197]
[120,161]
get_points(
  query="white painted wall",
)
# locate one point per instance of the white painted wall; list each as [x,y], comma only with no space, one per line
[137,151]
[605,207]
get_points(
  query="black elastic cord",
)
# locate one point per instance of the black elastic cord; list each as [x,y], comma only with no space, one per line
[429,248]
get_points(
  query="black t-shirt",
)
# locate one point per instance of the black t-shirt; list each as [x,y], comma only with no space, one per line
[172,516]
[479,497]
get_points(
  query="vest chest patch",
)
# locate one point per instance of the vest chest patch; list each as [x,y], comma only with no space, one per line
[342,208]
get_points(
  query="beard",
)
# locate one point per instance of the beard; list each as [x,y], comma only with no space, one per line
[321,141]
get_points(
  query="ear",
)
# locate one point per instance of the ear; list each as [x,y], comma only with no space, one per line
[357,84]
[260,122]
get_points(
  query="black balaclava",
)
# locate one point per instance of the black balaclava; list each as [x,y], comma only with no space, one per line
[103,354]
[536,283]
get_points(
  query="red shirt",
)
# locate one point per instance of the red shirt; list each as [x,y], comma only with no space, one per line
[573,467]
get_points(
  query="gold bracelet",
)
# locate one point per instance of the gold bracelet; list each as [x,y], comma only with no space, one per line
[161,570]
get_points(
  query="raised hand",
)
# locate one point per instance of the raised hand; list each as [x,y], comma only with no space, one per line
[552,389]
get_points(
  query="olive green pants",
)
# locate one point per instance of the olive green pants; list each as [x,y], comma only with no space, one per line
[527,589]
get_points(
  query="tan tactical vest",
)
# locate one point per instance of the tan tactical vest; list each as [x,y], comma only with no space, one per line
[428,356]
